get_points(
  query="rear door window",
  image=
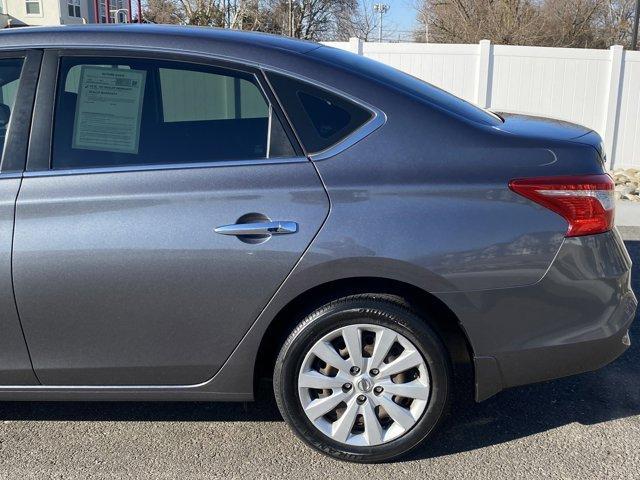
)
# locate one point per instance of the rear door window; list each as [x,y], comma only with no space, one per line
[128,111]
[321,118]
[10,70]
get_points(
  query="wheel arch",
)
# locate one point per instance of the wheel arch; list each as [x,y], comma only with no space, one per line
[441,317]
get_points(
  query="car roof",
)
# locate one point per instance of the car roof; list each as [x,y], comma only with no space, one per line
[147,35]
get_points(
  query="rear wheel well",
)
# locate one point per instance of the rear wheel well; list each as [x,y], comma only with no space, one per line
[441,319]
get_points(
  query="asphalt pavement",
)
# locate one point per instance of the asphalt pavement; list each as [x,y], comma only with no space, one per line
[582,427]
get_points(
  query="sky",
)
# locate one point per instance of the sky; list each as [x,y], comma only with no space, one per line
[401,17]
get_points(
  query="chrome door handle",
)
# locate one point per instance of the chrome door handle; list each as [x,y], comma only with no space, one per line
[258,229]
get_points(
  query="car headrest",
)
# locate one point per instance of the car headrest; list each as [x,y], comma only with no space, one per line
[5,114]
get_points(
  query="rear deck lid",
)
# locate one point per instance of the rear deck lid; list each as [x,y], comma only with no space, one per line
[550,129]
[541,127]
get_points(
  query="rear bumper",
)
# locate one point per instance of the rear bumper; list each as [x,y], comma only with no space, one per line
[608,341]
[575,319]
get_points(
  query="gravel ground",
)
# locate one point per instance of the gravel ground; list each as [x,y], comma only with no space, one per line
[582,427]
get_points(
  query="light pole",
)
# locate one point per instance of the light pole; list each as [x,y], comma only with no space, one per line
[380,9]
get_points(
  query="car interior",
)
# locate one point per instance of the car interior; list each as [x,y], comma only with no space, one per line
[5,115]
[241,132]
[9,75]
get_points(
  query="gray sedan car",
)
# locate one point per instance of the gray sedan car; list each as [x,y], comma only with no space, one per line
[186,211]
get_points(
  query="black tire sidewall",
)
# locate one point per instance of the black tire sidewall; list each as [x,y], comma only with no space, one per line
[361,311]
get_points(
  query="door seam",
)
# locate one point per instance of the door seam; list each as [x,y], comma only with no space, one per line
[13,285]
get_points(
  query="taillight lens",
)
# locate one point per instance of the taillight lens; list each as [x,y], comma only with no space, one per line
[586,202]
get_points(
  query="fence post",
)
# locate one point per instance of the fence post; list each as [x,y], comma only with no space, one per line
[483,80]
[610,127]
[355,45]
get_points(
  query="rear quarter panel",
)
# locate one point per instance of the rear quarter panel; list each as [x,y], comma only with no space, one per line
[430,191]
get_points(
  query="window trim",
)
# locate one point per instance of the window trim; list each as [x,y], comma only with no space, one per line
[14,154]
[76,6]
[40,14]
[377,120]
[40,155]
[163,167]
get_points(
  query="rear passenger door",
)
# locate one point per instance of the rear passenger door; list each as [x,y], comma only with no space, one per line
[18,77]
[122,275]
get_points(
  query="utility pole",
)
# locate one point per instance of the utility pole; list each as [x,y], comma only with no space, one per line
[380,9]
[634,37]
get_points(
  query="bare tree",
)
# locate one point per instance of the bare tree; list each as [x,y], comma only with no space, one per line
[202,12]
[362,22]
[162,11]
[615,22]
[570,23]
[308,19]
[317,19]
[559,23]
[556,23]
[469,21]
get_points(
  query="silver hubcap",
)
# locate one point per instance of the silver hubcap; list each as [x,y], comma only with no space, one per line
[363,385]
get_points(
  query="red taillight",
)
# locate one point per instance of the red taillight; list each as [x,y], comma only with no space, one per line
[586,202]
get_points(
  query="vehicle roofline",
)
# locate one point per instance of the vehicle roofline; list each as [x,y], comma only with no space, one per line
[72,35]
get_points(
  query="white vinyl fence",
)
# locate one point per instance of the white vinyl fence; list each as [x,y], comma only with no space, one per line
[596,88]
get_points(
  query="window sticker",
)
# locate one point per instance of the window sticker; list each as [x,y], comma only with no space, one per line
[109,109]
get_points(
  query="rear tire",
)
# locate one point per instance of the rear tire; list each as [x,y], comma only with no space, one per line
[379,336]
